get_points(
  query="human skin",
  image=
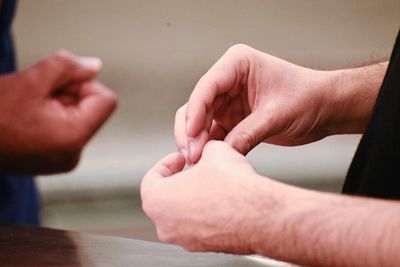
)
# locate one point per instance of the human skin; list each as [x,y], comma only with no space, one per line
[249,97]
[49,111]
[221,204]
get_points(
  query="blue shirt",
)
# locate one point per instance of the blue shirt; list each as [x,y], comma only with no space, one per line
[18,196]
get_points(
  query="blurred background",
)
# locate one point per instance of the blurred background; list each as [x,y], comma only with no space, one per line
[154,52]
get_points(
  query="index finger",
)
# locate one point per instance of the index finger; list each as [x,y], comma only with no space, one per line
[225,76]
[180,132]
[63,68]
[96,103]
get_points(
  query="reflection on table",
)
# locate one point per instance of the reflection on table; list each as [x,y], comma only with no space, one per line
[35,246]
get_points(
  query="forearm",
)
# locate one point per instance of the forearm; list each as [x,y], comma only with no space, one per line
[323,229]
[354,93]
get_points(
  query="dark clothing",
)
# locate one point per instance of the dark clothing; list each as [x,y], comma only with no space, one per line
[7,62]
[18,197]
[375,168]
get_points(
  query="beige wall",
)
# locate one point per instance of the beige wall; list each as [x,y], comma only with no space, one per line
[155,51]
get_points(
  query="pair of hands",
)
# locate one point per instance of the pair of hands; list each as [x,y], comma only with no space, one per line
[246,98]
[49,112]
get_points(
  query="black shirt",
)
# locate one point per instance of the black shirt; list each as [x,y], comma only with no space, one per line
[375,170]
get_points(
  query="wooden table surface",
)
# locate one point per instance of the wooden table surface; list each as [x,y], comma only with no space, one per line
[36,246]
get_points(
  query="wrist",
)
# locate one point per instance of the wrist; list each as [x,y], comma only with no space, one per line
[273,228]
[287,222]
[322,229]
[354,93]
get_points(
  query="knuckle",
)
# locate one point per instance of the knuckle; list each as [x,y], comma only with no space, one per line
[62,58]
[62,55]
[111,98]
[242,53]
[29,78]
[33,77]
[245,141]
[239,48]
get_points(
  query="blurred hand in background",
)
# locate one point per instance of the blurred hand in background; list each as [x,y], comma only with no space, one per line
[49,112]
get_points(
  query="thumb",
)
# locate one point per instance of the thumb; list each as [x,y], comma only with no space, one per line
[63,68]
[168,166]
[248,133]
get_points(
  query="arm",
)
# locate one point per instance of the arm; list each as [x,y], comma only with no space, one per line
[222,204]
[249,97]
[355,92]
[323,229]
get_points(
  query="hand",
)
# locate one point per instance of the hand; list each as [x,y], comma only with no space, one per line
[210,207]
[249,97]
[221,205]
[49,111]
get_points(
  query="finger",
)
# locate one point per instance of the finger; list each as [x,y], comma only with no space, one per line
[63,68]
[196,144]
[68,95]
[217,149]
[251,131]
[224,76]
[189,145]
[168,166]
[217,132]
[214,151]
[223,81]
[96,103]
[180,131]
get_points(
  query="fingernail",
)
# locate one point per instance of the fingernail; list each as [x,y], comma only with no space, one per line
[91,62]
